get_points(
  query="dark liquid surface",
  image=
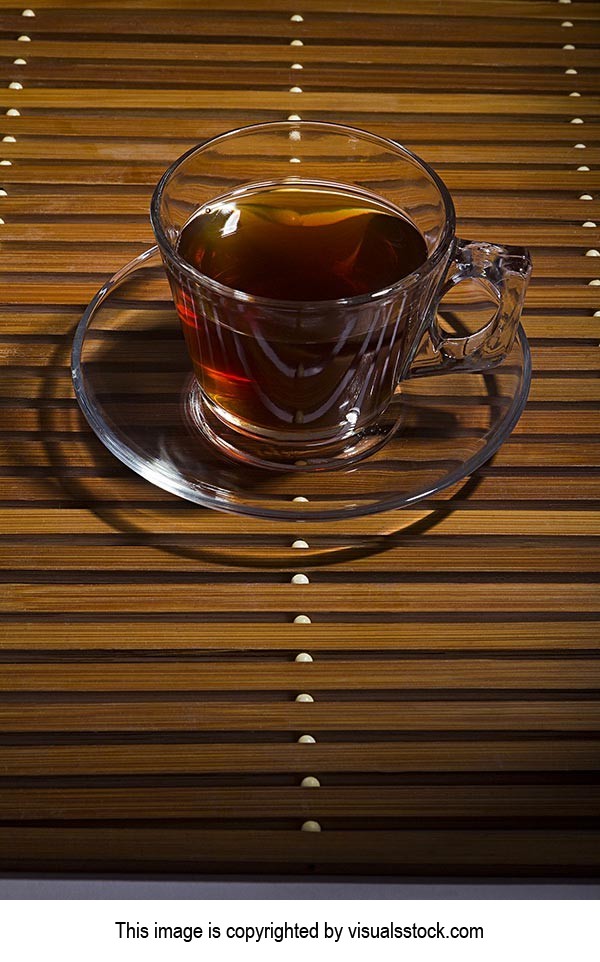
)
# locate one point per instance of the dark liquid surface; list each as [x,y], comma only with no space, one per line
[276,372]
[302,244]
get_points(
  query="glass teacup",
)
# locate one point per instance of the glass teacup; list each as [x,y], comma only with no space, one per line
[291,382]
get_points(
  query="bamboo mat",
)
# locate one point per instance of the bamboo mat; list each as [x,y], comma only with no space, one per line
[149,718]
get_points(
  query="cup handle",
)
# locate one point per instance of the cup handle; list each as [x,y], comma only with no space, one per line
[503,271]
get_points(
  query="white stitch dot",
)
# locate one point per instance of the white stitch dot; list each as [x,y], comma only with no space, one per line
[303,697]
[571,70]
[592,253]
[5,163]
[24,38]
[300,580]
[15,85]
[589,223]
[596,313]
[295,90]
[300,498]
[19,62]
[307,740]
[574,94]
[303,656]
[9,139]
[28,13]
[577,120]
[1,221]
[309,781]
[566,23]
[297,18]
[300,543]
[585,197]
[296,43]
[3,192]
[13,112]
[568,46]
[310,826]
[295,135]
[564,1]
[302,620]
[594,283]
[294,117]
[579,146]
[297,66]
[295,160]
[583,167]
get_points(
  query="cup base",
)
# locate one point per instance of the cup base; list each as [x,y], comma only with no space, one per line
[276,455]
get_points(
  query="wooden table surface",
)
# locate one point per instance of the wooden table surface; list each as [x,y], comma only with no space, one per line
[148,681]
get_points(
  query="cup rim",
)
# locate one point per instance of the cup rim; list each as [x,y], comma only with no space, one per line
[441,248]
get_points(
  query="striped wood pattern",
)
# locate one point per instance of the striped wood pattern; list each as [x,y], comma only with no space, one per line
[148,719]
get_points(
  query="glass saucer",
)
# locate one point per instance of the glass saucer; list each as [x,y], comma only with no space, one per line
[132,379]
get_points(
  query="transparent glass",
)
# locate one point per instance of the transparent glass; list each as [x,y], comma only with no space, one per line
[132,378]
[318,377]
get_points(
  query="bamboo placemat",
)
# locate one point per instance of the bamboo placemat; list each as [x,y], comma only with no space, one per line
[149,718]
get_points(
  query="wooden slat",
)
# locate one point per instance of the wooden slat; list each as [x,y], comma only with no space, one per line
[31,353]
[339,676]
[48,522]
[77,453]
[177,635]
[338,75]
[161,151]
[425,851]
[234,715]
[494,597]
[407,128]
[204,23]
[20,420]
[67,172]
[424,103]
[56,321]
[256,804]
[57,384]
[116,491]
[474,209]
[391,55]
[315,78]
[550,755]
[80,292]
[464,8]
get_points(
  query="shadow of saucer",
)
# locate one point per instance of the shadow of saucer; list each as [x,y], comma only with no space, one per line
[142,514]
